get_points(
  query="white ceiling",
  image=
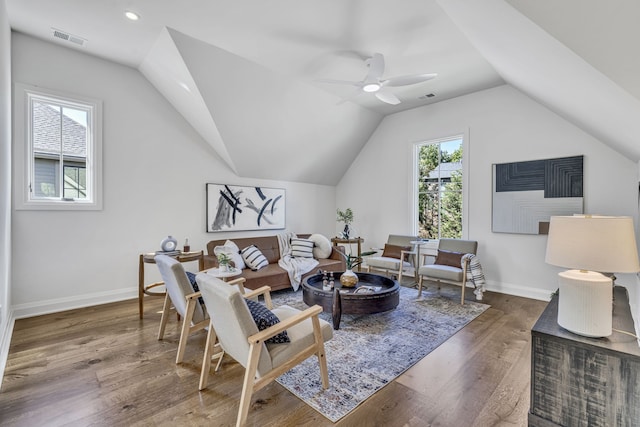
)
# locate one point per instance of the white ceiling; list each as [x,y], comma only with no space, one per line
[245,73]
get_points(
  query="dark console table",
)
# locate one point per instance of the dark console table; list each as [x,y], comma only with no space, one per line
[581,381]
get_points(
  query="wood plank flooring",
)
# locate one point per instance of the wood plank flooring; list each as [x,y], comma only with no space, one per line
[102,366]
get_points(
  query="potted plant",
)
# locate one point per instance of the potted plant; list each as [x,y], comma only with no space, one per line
[223,261]
[349,278]
[346,217]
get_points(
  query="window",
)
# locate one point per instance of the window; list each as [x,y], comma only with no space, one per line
[61,150]
[439,184]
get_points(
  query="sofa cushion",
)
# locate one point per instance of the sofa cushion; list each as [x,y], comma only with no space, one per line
[321,246]
[264,319]
[301,248]
[272,275]
[254,258]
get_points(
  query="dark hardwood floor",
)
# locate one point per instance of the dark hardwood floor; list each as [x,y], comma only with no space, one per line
[102,366]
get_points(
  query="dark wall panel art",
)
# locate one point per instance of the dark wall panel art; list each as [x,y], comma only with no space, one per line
[527,194]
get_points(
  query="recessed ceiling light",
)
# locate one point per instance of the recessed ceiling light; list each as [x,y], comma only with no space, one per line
[132,15]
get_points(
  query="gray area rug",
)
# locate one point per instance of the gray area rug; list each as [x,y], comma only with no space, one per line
[370,351]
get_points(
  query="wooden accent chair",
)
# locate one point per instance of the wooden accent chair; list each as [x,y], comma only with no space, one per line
[233,325]
[448,267]
[397,256]
[180,293]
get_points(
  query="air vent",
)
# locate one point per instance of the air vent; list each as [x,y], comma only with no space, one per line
[429,95]
[63,35]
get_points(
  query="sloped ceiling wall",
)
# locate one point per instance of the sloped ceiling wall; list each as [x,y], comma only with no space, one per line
[235,104]
[548,71]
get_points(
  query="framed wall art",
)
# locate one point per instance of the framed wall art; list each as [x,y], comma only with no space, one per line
[527,194]
[243,208]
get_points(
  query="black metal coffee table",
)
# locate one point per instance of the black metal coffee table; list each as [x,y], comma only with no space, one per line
[373,294]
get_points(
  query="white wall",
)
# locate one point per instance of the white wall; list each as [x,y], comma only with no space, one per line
[6,322]
[155,170]
[503,126]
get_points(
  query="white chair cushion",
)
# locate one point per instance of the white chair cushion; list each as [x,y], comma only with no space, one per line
[386,263]
[231,318]
[178,285]
[438,271]
[300,335]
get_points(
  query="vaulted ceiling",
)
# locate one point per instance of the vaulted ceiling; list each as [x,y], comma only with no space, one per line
[247,74]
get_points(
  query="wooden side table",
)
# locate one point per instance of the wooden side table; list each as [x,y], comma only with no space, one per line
[149,258]
[337,241]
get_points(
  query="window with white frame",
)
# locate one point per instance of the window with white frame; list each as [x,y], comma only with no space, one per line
[439,183]
[61,150]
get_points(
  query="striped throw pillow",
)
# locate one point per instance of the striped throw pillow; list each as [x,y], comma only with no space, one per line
[301,248]
[254,259]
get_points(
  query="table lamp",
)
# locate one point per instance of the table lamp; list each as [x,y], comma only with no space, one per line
[590,245]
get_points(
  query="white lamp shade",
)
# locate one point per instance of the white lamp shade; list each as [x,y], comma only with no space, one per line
[596,243]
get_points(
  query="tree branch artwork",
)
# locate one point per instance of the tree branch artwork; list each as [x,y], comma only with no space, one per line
[236,208]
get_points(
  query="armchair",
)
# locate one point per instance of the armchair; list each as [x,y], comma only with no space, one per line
[449,267]
[397,256]
[180,293]
[234,327]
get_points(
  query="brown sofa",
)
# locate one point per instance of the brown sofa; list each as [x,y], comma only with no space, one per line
[272,275]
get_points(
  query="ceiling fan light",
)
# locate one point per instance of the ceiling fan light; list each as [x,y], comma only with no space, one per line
[371,87]
[131,15]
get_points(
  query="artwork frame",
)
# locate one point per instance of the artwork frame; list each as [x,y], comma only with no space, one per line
[526,194]
[244,208]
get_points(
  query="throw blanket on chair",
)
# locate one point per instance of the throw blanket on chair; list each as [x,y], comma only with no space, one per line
[295,267]
[475,274]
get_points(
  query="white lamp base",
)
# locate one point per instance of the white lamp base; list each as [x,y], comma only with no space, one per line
[585,303]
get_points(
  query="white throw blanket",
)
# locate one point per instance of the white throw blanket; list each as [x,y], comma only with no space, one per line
[295,267]
[475,274]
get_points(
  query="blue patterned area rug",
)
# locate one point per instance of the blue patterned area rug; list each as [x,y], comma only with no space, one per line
[370,351]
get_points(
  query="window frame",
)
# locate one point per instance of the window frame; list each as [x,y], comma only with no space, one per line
[414,216]
[24,156]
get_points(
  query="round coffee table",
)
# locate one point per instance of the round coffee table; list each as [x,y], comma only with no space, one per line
[373,294]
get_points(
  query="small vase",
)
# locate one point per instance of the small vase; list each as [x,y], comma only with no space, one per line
[223,268]
[346,231]
[348,279]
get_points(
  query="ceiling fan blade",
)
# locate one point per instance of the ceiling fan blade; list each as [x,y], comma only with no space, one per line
[351,97]
[376,68]
[387,97]
[339,82]
[408,80]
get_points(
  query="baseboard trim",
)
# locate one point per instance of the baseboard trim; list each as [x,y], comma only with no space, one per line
[22,311]
[518,290]
[5,343]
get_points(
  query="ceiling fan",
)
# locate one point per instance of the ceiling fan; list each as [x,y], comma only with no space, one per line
[374,83]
